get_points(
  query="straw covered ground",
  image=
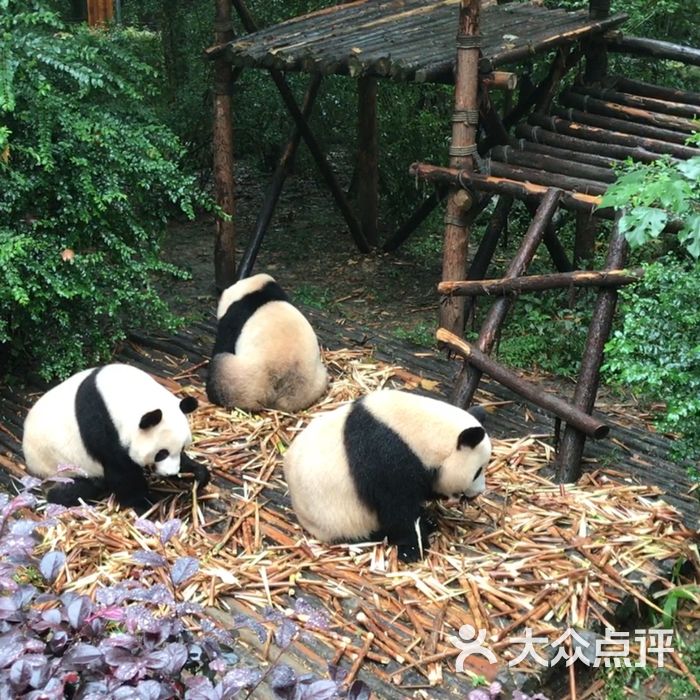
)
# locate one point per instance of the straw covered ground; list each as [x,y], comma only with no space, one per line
[528,553]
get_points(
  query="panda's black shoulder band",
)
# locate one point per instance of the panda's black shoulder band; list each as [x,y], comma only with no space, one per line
[231,323]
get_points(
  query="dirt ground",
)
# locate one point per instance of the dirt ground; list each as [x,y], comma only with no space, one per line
[308,249]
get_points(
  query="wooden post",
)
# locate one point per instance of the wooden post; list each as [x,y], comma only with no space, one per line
[222,138]
[368,158]
[595,49]
[462,149]
[571,447]
[99,11]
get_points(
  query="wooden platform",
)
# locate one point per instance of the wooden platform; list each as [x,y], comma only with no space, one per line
[353,589]
[407,40]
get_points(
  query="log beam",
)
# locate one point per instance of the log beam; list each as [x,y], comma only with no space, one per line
[538,283]
[610,139]
[528,390]
[500,185]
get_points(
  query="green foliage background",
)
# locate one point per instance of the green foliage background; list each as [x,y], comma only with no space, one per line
[88,177]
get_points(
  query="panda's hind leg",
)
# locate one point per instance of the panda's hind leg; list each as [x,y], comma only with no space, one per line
[80,488]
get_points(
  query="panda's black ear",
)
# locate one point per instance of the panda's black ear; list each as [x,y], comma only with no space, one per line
[479,412]
[188,404]
[471,437]
[148,420]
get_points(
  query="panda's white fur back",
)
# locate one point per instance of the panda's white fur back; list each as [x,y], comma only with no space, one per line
[322,488]
[52,435]
[322,491]
[277,363]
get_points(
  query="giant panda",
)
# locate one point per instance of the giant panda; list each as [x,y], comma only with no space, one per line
[109,423]
[363,471]
[266,354]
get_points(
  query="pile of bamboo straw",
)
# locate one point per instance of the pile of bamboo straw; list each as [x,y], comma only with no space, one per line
[527,553]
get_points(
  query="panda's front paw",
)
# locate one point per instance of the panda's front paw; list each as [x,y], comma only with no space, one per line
[408,553]
[139,505]
[199,471]
[201,476]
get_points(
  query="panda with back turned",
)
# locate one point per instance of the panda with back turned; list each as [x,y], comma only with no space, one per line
[363,471]
[266,354]
[110,423]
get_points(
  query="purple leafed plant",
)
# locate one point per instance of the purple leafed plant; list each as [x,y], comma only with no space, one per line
[131,640]
[495,692]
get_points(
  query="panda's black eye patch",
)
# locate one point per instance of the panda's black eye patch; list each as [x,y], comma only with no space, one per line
[478,473]
[161,455]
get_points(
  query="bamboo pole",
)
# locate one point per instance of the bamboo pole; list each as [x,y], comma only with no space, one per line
[528,390]
[514,156]
[651,104]
[538,134]
[538,283]
[641,116]
[310,140]
[659,92]
[222,138]
[655,48]
[607,122]
[470,376]
[368,159]
[571,448]
[611,138]
[462,149]
[275,187]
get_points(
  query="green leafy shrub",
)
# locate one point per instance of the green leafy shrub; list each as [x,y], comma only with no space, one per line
[656,352]
[87,179]
[649,195]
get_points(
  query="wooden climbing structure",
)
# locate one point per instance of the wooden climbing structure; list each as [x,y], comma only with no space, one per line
[554,149]
[561,154]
